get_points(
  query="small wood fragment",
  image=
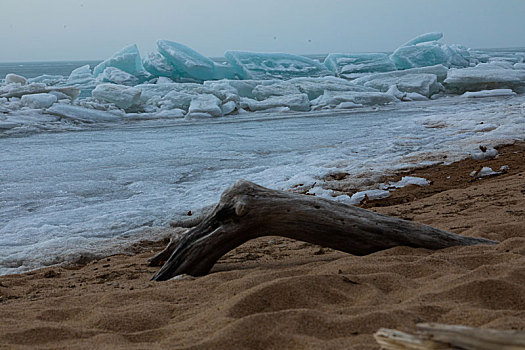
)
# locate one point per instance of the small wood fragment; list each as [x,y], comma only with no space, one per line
[433,336]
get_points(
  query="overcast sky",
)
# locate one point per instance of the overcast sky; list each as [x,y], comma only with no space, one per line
[35,30]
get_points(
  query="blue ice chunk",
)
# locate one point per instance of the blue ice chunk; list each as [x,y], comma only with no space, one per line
[427,54]
[459,56]
[423,38]
[186,64]
[186,60]
[127,60]
[261,66]
[425,50]
[225,71]
[342,64]
[157,65]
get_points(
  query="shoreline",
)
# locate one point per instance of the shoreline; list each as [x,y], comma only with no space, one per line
[295,293]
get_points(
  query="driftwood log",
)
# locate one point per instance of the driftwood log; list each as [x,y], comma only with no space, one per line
[433,336]
[247,211]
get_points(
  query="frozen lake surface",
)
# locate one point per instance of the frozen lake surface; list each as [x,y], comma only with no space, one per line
[67,193]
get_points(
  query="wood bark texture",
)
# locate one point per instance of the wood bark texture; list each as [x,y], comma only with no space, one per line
[439,336]
[247,211]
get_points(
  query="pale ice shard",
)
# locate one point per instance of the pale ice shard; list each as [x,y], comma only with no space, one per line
[174,100]
[229,107]
[423,38]
[424,81]
[81,114]
[128,60]
[81,76]
[15,79]
[358,197]
[331,99]
[157,65]
[347,64]
[414,96]
[489,93]
[439,70]
[120,95]
[348,105]
[422,84]
[117,76]
[274,88]
[407,181]
[205,105]
[48,79]
[164,80]
[315,87]
[297,102]
[485,76]
[260,66]
[38,101]
[17,90]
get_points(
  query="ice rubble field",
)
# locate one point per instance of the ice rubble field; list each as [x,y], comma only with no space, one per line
[169,132]
[178,82]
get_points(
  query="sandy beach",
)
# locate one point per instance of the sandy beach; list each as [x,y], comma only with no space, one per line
[274,293]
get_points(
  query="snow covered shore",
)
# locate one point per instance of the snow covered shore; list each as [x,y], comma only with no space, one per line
[166,137]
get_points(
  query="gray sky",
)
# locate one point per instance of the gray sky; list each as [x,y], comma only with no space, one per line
[33,30]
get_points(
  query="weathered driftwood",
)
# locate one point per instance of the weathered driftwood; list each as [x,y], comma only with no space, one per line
[247,211]
[438,336]
[163,256]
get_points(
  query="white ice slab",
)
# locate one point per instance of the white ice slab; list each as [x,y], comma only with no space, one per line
[81,114]
[489,93]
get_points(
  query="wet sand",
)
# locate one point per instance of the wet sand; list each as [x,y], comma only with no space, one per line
[275,293]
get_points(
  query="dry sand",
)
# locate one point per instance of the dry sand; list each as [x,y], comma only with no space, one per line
[274,293]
